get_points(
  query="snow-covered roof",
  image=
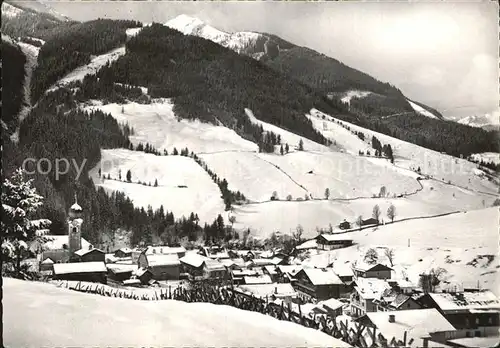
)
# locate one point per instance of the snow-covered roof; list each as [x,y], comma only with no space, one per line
[263,290]
[365,267]
[310,244]
[334,237]
[125,250]
[371,288]
[82,251]
[331,304]
[290,269]
[119,268]
[417,323]
[466,300]
[244,272]
[270,269]
[131,282]
[342,269]
[56,242]
[214,265]
[163,260]
[261,279]
[194,260]
[165,250]
[79,267]
[262,262]
[322,276]
[47,261]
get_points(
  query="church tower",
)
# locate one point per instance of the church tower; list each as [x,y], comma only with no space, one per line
[75,221]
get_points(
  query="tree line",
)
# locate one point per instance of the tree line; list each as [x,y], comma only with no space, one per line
[73,47]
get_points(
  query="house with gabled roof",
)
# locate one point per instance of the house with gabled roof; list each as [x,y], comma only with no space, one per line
[330,241]
[396,302]
[83,271]
[198,266]
[162,266]
[317,284]
[474,313]
[407,328]
[366,290]
[376,270]
[90,255]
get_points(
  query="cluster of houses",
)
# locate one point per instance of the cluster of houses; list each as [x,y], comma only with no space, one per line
[360,293]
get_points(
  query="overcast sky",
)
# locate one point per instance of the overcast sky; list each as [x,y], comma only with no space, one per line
[444,54]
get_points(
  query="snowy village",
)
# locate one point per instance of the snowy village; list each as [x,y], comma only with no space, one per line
[180,183]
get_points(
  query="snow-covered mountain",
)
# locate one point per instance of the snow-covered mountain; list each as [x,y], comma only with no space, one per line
[250,43]
[489,120]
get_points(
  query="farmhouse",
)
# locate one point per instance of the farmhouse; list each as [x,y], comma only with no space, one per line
[163,266]
[343,271]
[287,273]
[272,272]
[119,272]
[317,284]
[83,271]
[344,225]
[473,313]
[365,291]
[47,265]
[144,275]
[377,270]
[414,328]
[333,241]
[214,252]
[199,266]
[370,221]
[90,255]
[396,302]
[158,250]
[237,275]
[332,307]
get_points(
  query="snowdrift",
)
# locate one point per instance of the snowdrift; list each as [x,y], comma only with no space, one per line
[42,315]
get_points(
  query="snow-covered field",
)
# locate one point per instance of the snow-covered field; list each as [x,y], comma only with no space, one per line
[410,156]
[157,124]
[460,243]
[421,110]
[200,194]
[350,94]
[93,67]
[42,315]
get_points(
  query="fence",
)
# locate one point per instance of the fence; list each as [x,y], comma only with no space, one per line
[224,295]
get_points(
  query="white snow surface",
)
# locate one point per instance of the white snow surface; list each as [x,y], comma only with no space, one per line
[354,93]
[193,26]
[72,318]
[488,119]
[201,195]
[458,243]
[10,11]
[96,63]
[421,110]
[157,124]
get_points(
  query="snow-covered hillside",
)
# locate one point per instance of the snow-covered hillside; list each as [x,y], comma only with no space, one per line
[157,124]
[437,165]
[42,315]
[421,110]
[183,186]
[10,11]
[93,67]
[465,244]
[194,26]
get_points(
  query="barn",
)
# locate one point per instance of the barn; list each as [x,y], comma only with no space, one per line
[90,255]
[163,267]
[83,271]
[333,241]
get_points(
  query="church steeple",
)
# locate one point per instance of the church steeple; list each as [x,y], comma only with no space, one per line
[75,222]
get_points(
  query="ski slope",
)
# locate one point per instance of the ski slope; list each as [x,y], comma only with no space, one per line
[96,63]
[200,194]
[157,124]
[454,242]
[437,165]
[42,315]
[421,110]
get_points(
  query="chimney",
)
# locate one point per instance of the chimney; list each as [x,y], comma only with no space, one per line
[392,318]
[275,289]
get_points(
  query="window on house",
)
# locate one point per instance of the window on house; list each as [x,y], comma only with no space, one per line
[477,321]
[75,230]
[490,320]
